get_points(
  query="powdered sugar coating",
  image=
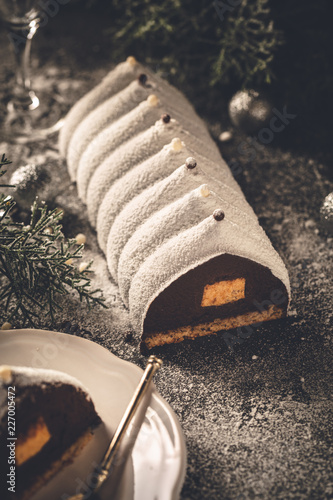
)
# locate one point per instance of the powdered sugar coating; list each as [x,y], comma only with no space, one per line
[38,376]
[133,152]
[141,177]
[29,377]
[105,114]
[114,81]
[190,248]
[104,143]
[116,107]
[174,218]
[183,213]
[154,198]
[162,164]
[146,203]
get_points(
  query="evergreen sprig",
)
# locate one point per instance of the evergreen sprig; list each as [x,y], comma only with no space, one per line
[36,264]
[3,162]
[248,46]
[219,42]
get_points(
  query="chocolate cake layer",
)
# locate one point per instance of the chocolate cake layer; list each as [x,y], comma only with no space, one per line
[225,288]
[49,418]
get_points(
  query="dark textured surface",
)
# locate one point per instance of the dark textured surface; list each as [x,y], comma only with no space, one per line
[257,421]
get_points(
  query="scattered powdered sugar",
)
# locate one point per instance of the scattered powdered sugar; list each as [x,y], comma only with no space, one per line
[253,428]
[32,376]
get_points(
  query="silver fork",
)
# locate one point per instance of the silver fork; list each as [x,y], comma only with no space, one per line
[102,472]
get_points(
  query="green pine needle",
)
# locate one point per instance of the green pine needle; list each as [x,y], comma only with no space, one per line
[3,162]
[35,264]
[214,43]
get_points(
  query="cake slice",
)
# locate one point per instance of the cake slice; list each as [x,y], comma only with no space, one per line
[51,416]
[210,277]
[181,241]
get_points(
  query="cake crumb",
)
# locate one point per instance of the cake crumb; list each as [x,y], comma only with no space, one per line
[225,136]
[80,239]
[6,374]
[6,326]
[83,266]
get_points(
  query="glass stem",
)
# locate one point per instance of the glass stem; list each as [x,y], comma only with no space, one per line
[23,96]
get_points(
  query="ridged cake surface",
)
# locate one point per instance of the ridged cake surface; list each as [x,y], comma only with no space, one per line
[180,238]
[167,190]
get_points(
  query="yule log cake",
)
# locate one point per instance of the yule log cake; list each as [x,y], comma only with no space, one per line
[51,416]
[180,239]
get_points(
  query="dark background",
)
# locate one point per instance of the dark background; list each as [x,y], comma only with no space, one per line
[182,40]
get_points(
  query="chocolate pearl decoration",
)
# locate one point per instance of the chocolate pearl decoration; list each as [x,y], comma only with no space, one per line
[166,118]
[218,214]
[48,230]
[80,239]
[225,136]
[152,100]
[6,326]
[190,162]
[6,372]
[204,191]
[143,79]
[177,144]
[131,60]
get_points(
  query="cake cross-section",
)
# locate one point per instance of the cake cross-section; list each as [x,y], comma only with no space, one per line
[181,241]
[54,417]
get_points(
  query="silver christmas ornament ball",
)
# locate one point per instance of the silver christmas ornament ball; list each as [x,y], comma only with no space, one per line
[249,111]
[326,213]
[30,181]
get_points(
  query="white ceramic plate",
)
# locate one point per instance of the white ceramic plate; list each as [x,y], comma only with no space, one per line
[158,465]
